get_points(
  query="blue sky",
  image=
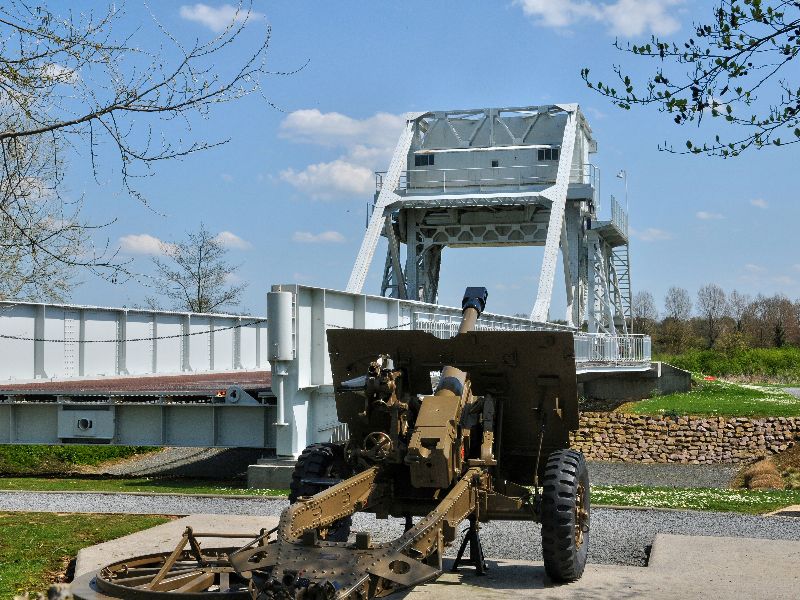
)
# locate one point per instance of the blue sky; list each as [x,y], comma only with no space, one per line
[290,190]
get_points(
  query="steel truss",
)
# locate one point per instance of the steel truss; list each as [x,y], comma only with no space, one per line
[501,177]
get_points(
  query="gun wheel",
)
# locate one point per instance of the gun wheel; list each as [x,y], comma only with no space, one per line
[319,467]
[565,515]
[169,576]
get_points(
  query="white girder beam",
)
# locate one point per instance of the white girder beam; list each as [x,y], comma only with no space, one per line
[558,196]
[386,197]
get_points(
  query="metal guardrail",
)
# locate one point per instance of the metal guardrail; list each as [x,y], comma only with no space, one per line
[590,348]
[480,178]
[612,350]
[446,325]
[618,216]
[45,341]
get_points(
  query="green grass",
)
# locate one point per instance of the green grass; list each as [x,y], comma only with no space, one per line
[742,501]
[719,398]
[764,364]
[140,484]
[35,547]
[33,459]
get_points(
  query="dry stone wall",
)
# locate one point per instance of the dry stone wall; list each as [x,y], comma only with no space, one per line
[694,440]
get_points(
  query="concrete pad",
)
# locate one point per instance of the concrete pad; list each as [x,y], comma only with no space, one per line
[270,474]
[680,567]
[787,511]
[521,579]
[728,567]
[163,538]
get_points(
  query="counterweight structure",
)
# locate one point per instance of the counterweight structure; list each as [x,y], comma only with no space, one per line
[515,176]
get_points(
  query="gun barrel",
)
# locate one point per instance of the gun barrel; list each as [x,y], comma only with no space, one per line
[452,379]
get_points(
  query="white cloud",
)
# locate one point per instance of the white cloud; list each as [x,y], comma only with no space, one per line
[784,280]
[708,216]
[594,112]
[759,203]
[651,234]
[338,130]
[622,17]
[325,181]
[219,18]
[326,237]
[60,74]
[142,243]
[752,268]
[367,146]
[231,240]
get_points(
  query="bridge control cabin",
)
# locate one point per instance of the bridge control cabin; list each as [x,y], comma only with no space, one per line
[492,177]
[495,151]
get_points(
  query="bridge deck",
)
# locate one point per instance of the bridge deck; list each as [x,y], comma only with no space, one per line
[199,384]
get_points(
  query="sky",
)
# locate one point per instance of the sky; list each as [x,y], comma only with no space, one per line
[288,194]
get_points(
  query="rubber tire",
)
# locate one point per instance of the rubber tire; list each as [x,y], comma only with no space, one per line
[564,471]
[321,460]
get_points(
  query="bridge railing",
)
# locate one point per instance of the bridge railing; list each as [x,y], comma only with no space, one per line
[612,350]
[45,341]
[591,349]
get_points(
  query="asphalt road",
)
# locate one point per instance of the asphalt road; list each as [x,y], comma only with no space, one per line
[618,536]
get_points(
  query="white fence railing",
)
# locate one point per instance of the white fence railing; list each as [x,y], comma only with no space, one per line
[46,341]
[612,350]
[618,216]
[483,178]
[590,348]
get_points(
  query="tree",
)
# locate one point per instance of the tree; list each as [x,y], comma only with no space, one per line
[677,310]
[39,234]
[196,275]
[729,69]
[77,83]
[644,312]
[780,315]
[739,307]
[677,304]
[713,307]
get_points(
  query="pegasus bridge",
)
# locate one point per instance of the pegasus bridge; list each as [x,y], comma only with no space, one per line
[466,178]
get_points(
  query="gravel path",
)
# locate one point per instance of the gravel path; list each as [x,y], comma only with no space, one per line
[662,475]
[618,536]
[793,391]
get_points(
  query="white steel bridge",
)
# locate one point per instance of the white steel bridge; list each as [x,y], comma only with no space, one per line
[484,177]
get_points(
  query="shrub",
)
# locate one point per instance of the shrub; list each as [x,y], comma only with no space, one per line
[766,363]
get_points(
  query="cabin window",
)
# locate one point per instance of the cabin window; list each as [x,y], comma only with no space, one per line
[495,163]
[548,153]
[423,160]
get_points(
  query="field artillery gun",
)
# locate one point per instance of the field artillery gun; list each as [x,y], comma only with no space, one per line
[490,441]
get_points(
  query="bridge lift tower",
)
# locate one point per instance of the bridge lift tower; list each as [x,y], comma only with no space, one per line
[515,176]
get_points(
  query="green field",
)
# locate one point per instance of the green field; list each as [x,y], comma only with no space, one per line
[139,484]
[28,459]
[36,547]
[720,398]
[743,501]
